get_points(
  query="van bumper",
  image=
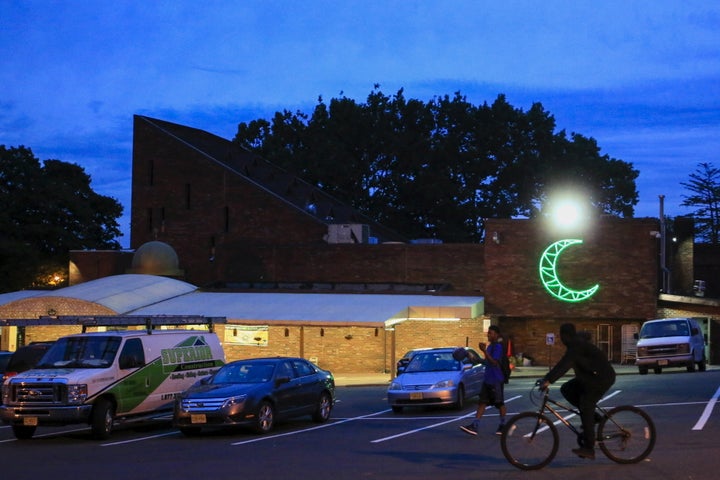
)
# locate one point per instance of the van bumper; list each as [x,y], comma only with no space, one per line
[36,415]
[675,361]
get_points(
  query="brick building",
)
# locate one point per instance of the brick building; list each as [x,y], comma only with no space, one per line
[240,225]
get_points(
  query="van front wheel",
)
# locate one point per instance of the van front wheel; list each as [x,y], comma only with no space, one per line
[103,415]
[23,432]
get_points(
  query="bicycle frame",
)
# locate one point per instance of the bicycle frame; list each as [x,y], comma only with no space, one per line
[553,406]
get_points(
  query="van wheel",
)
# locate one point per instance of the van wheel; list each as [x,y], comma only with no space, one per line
[657,370]
[642,370]
[23,432]
[397,409]
[691,367]
[190,431]
[702,364]
[101,421]
[324,407]
[265,418]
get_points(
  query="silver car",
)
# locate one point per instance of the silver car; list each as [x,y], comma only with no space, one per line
[434,377]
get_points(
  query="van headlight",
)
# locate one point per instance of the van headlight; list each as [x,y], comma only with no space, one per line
[683,348]
[77,394]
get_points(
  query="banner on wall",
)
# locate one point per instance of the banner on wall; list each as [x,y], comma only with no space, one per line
[246,335]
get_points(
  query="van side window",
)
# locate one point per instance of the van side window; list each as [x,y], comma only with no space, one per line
[132,355]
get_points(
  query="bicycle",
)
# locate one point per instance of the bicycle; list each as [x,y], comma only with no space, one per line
[530,441]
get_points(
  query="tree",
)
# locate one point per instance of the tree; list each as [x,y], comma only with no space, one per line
[704,184]
[437,169]
[48,210]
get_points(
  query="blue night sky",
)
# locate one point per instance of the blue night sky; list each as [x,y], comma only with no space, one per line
[642,78]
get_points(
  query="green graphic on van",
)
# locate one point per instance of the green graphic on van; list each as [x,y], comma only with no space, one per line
[192,357]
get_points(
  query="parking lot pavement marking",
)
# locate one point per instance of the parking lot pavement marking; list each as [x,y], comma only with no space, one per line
[708,410]
[324,425]
[140,439]
[455,419]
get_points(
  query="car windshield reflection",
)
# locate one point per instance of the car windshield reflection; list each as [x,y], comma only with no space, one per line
[245,373]
[433,362]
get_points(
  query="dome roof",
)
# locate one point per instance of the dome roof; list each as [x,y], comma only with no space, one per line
[156,258]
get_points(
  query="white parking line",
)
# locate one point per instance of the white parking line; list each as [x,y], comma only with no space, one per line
[708,410]
[325,425]
[410,432]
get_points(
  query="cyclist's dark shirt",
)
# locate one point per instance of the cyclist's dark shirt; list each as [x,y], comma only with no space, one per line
[589,362]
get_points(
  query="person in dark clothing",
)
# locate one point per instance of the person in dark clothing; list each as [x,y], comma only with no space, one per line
[594,375]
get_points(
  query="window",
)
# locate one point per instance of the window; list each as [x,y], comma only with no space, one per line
[132,355]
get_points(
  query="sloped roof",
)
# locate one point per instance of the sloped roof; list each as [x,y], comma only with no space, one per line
[124,293]
[280,183]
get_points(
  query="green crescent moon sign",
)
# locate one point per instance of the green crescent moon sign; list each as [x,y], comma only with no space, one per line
[549,275]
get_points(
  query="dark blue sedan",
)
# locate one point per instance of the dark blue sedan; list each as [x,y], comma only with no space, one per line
[257,393]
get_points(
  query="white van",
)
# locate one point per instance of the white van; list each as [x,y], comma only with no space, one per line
[101,378]
[670,342]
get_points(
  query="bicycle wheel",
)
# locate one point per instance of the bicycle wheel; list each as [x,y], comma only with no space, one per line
[529,441]
[626,435]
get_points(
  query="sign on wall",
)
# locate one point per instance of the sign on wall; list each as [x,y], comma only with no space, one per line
[549,275]
[247,335]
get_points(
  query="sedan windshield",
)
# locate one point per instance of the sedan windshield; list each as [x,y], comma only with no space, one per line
[81,352]
[244,373]
[433,362]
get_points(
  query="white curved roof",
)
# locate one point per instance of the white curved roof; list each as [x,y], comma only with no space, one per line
[138,294]
[124,293]
[317,307]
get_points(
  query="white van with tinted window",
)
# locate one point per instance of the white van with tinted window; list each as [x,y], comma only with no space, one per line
[670,342]
[105,378]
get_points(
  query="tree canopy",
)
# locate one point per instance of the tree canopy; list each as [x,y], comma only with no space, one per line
[437,169]
[47,210]
[704,185]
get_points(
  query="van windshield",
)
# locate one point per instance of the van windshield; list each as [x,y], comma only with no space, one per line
[665,329]
[81,352]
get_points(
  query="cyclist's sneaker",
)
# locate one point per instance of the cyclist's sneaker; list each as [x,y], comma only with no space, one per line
[469,429]
[500,430]
[588,453]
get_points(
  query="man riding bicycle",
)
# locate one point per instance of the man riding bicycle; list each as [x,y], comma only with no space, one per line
[594,375]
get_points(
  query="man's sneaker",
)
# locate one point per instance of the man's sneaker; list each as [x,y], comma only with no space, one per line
[500,430]
[469,429]
[588,453]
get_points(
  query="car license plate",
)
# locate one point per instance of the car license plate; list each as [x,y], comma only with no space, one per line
[30,421]
[416,396]
[198,418]
[662,362]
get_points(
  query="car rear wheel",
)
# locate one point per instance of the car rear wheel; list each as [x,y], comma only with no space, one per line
[642,370]
[265,418]
[324,407]
[657,370]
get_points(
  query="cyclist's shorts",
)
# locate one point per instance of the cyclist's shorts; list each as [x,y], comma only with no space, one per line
[492,394]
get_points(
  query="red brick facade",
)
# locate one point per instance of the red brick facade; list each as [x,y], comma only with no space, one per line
[190,191]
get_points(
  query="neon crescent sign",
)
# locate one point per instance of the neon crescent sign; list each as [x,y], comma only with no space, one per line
[549,275]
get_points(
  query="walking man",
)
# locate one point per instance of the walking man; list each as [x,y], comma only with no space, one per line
[491,392]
